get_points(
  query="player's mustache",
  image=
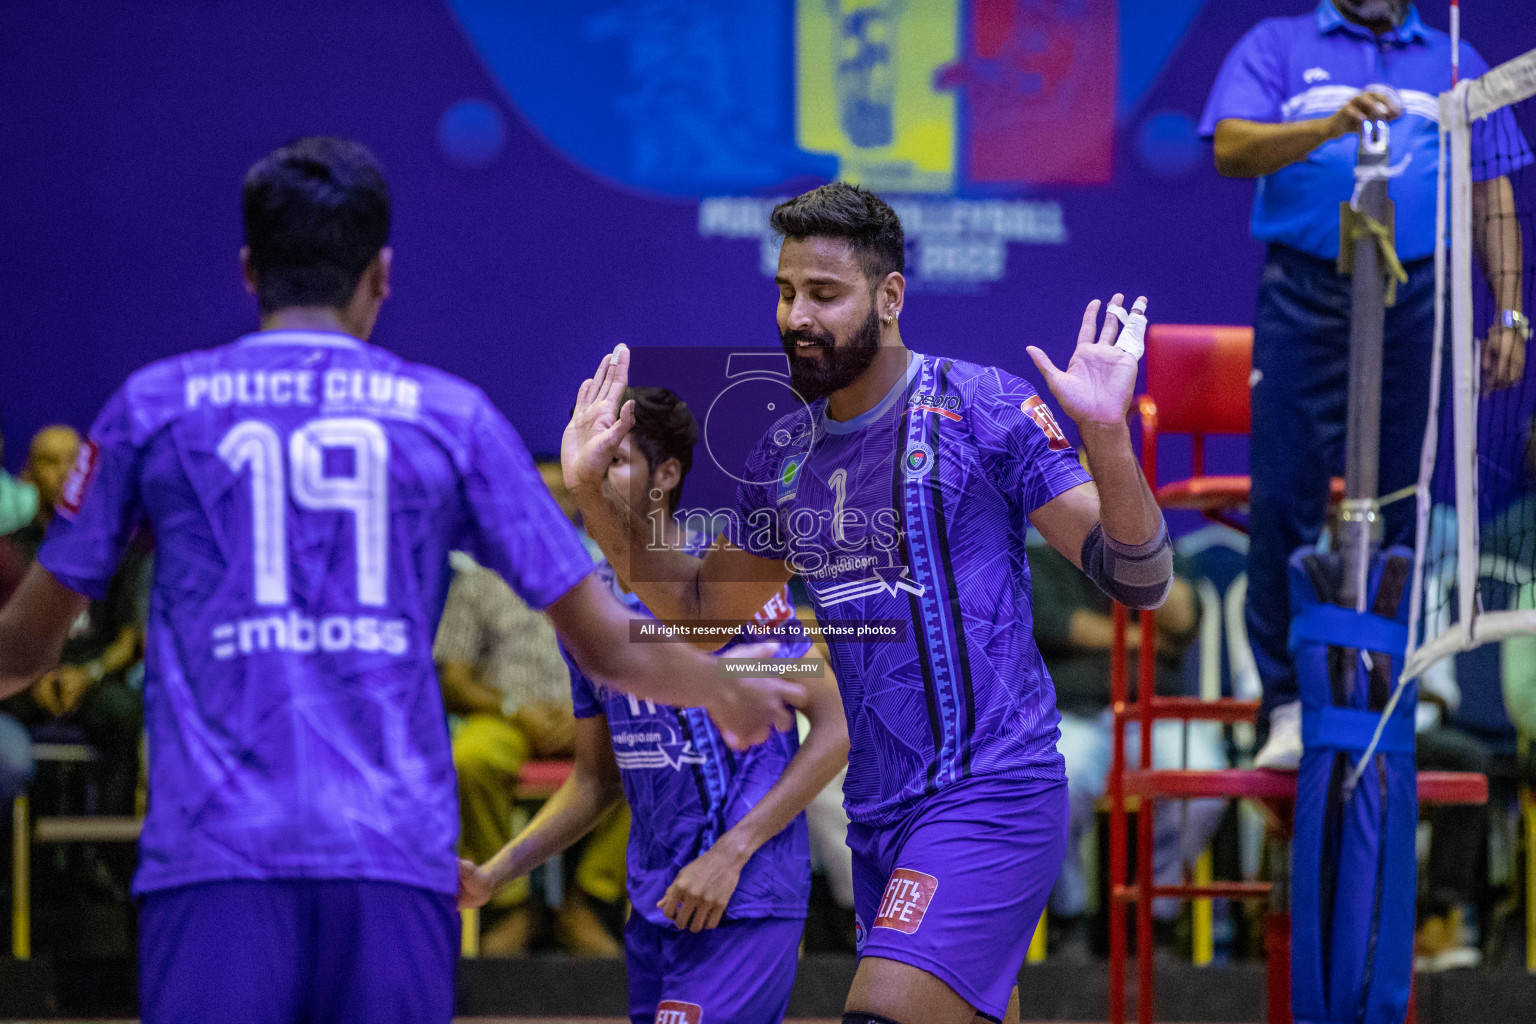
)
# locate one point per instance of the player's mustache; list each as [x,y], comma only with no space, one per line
[793,338]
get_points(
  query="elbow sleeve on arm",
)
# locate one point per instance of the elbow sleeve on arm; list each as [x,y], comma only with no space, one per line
[1138,576]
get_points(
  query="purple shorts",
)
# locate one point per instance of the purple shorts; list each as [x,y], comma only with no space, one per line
[739,973]
[957,886]
[283,951]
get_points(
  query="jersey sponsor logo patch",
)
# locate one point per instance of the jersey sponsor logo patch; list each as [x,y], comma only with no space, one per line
[1314,75]
[918,460]
[907,897]
[72,498]
[1036,409]
[670,1011]
[887,581]
[948,406]
[653,744]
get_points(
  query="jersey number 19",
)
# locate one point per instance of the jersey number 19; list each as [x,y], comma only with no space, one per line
[362,493]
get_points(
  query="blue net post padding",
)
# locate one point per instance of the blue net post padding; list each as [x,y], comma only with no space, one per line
[1353,869]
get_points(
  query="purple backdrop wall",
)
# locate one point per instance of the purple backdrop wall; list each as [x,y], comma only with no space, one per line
[127,128]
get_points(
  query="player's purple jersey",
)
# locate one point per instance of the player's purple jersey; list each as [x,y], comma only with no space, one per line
[913,516]
[304,490]
[687,788]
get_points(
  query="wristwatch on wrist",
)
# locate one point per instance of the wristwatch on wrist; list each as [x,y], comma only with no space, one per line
[95,671]
[1517,322]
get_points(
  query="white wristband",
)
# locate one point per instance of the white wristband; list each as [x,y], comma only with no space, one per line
[1133,334]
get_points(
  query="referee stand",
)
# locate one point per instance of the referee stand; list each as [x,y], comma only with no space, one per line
[1197,383]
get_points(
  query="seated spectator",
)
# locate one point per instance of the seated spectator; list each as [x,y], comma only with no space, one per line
[1075,632]
[18,501]
[500,666]
[18,507]
[87,695]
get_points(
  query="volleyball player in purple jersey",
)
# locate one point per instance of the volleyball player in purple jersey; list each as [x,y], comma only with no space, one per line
[304,488]
[902,490]
[719,854]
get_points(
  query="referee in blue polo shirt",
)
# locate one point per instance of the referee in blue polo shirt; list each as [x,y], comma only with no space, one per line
[1286,109]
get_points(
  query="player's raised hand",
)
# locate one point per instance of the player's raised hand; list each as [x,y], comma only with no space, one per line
[1097,386]
[748,708]
[598,422]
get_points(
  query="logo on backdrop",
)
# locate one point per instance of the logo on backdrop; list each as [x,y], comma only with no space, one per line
[963,109]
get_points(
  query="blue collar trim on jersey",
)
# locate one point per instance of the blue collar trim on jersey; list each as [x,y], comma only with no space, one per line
[1329,19]
[864,419]
[335,339]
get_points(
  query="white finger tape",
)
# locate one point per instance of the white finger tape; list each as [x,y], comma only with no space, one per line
[1133,334]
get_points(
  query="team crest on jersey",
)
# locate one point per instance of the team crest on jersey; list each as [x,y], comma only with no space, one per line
[1036,409]
[907,897]
[789,477]
[918,460]
[72,498]
[670,1011]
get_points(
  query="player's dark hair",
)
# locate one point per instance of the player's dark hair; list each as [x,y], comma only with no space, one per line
[841,210]
[316,215]
[665,428]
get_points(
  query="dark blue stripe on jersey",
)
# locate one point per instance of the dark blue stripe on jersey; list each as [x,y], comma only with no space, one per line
[956,615]
[899,506]
[921,430]
[936,636]
[712,808]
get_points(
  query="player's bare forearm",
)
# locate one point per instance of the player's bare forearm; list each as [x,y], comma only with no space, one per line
[1252,149]
[574,810]
[727,585]
[33,627]
[1500,249]
[1127,510]
[666,578]
[823,754]
[597,632]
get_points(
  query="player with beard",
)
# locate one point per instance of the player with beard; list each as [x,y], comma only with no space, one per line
[903,491]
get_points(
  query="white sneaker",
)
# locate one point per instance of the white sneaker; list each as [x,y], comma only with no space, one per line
[1282,751]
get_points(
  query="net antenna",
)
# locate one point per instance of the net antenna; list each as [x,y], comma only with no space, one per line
[1474,579]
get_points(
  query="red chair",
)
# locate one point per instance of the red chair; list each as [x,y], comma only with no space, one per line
[1197,384]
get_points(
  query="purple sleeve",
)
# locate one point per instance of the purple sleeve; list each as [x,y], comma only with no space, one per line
[99,509]
[515,527]
[1021,442]
[1498,145]
[1251,83]
[583,694]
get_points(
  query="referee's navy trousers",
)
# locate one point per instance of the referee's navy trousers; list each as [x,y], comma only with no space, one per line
[1300,396]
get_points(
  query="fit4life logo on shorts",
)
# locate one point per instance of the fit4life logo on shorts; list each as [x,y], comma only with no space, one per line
[906,900]
[670,1011]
